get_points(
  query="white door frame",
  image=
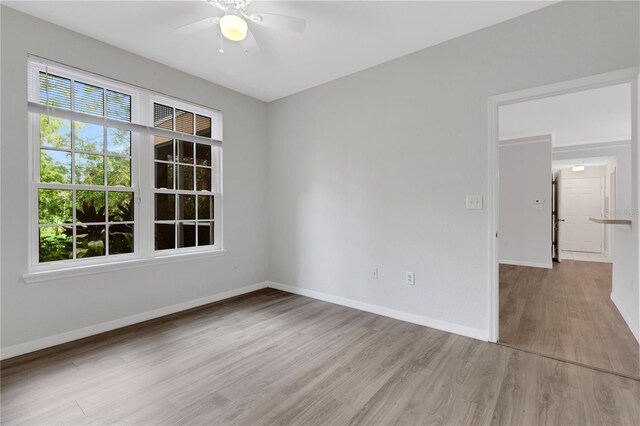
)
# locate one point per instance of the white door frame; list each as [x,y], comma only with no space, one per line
[628,75]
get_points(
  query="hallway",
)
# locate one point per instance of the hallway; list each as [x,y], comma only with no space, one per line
[566,313]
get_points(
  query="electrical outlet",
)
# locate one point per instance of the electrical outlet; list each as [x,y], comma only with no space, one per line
[374,273]
[410,278]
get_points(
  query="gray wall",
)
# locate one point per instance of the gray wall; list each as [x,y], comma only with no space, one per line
[372,169]
[32,311]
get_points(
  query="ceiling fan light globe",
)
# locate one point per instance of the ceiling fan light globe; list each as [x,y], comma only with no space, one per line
[233,27]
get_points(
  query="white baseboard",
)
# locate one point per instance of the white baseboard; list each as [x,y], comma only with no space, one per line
[475,333]
[526,263]
[91,330]
[633,326]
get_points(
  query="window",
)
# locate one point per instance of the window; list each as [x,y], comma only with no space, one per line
[85,193]
[98,146]
[184,179]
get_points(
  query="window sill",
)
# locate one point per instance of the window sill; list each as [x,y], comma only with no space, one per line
[77,271]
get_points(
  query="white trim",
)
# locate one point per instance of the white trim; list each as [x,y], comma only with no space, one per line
[215,168]
[527,136]
[571,86]
[635,330]
[34,68]
[635,176]
[474,333]
[493,210]
[493,103]
[69,336]
[526,263]
[91,330]
[117,265]
[601,144]
[530,139]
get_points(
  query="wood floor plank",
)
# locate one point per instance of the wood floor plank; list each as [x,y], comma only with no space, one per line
[567,313]
[275,358]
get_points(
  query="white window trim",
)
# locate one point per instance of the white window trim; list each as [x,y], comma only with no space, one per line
[105,267]
[142,183]
[216,172]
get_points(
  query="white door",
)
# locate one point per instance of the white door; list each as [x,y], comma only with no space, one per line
[580,200]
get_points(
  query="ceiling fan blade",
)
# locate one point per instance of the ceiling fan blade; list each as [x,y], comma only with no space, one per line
[249,44]
[287,23]
[200,25]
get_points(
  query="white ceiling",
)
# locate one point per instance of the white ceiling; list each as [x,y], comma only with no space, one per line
[590,116]
[341,37]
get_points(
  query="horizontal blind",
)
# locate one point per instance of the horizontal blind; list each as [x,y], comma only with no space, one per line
[77,95]
[37,108]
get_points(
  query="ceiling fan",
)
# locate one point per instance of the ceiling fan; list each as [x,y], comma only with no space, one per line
[234,23]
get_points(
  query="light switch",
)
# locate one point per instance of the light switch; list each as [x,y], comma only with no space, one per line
[474,202]
[410,278]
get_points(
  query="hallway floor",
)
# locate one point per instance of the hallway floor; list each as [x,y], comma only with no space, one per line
[567,313]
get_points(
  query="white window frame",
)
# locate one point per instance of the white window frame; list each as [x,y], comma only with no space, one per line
[142,181]
[216,175]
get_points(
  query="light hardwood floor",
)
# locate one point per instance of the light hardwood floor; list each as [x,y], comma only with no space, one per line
[275,358]
[566,312]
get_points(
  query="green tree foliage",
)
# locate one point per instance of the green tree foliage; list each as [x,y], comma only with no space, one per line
[55,244]
[55,206]
[90,239]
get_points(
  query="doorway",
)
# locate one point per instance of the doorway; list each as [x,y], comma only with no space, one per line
[554,284]
[582,195]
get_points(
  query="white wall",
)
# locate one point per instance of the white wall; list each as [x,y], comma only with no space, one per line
[594,115]
[372,169]
[624,291]
[40,310]
[609,203]
[524,227]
